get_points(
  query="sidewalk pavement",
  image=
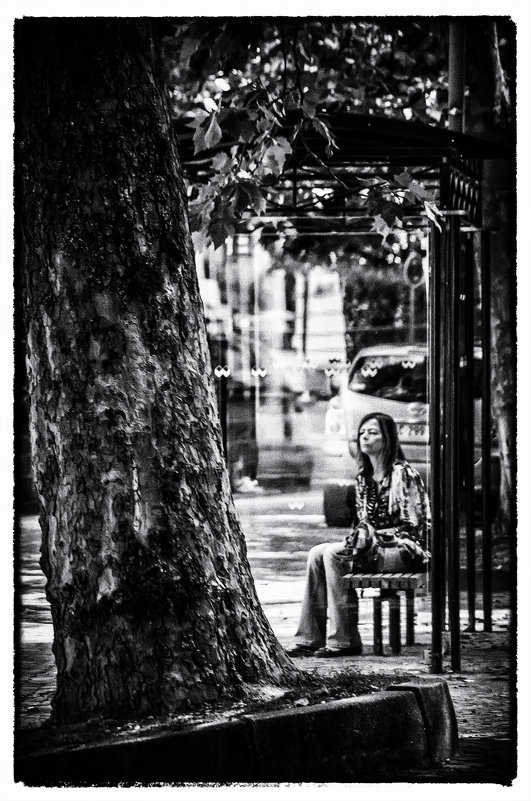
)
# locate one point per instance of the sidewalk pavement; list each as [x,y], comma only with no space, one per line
[481,693]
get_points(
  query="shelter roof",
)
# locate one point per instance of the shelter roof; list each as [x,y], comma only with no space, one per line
[363,139]
[377,137]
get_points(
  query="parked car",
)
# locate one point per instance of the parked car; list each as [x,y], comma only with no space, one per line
[392,379]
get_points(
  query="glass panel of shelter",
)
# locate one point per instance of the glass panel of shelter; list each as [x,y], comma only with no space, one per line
[310,195]
[308,333]
[305,327]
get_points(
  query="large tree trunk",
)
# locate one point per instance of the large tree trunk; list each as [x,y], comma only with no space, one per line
[490,116]
[498,207]
[152,599]
[500,214]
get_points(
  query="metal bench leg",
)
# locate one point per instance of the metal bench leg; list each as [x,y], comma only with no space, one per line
[410,617]
[377,627]
[394,624]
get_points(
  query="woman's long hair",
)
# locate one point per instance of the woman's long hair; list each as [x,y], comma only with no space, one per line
[391,450]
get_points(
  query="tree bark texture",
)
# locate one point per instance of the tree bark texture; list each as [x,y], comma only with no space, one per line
[499,215]
[491,116]
[152,599]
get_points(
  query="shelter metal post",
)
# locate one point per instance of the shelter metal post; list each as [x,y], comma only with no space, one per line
[467,440]
[437,255]
[456,75]
[486,434]
[451,433]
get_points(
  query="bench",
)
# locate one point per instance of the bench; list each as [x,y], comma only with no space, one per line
[389,585]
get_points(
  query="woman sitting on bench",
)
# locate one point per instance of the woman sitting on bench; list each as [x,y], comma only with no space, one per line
[390,532]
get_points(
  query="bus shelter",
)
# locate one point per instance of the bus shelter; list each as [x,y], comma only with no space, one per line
[321,192]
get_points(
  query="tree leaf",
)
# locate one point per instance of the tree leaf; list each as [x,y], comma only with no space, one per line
[222,222]
[269,112]
[187,50]
[239,123]
[220,228]
[306,57]
[249,195]
[213,133]
[247,128]
[199,140]
[370,181]
[433,213]
[222,163]
[199,211]
[207,134]
[391,211]
[404,179]
[200,240]
[309,105]
[322,128]
[200,115]
[418,192]
[275,155]
[380,226]
[296,131]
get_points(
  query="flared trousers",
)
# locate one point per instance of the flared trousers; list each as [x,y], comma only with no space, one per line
[329,613]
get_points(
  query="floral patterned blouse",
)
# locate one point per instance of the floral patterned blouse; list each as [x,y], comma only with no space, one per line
[400,502]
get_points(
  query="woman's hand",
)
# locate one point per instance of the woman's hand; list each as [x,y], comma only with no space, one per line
[361,535]
[361,539]
[348,542]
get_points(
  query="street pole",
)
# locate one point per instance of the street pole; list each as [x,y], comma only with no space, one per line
[456,76]
[411,314]
[438,533]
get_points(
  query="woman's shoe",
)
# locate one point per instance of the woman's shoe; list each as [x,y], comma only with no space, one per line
[327,653]
[302,650]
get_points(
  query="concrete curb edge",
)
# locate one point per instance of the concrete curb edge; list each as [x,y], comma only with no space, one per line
[410,725]
[435,704]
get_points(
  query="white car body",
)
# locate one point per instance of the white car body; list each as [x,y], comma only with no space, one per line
[353,401]
[374,382]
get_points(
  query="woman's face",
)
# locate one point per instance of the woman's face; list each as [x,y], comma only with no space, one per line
[370,438]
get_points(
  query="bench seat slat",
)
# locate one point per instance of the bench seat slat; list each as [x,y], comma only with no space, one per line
[393,582]
[403,581]
[387,581]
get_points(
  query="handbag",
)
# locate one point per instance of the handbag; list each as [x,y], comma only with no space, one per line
[388,551]
[383,551]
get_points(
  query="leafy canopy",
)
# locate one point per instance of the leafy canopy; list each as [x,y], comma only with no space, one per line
[251,89]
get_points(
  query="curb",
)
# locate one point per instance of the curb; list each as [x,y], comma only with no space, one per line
[410,725]
[435,704]
[341,740]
